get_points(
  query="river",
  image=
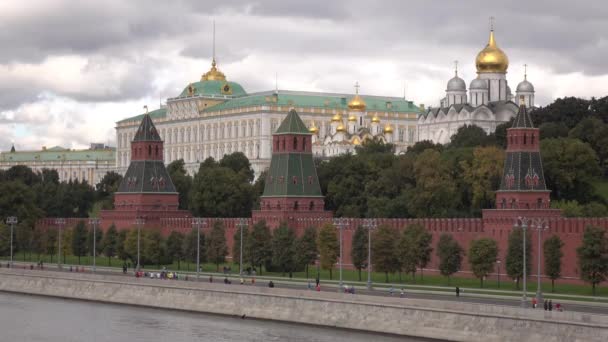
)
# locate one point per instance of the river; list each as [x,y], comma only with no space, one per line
[33,318]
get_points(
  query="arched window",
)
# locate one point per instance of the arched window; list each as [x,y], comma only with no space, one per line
[525,138]
[311,206]
[149,150]
[295,143]
[539,203]
[157,150]
[532,139]
[295,205]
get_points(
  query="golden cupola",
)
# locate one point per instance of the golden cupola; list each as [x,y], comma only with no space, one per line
[388,129]
[340,128]
[375,119]
[356,103]
[336,118]
[213,74]
[492,59]
[313,128]
[352,118]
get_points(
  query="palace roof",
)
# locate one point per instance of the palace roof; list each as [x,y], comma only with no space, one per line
[59,154]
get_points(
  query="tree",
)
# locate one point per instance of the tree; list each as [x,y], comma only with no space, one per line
[482,256]
[130,248]
[5,239]
[259,250]
[154,247]
[329,247]
[238,163]
[175,247]
[50,242]
[359,249]
[415,248]
[66,242]
[236,244]
[121,250]
[424,145]
[79,240]
[483,175]
[106,188]
[216,245]
[98,239]
[593,256]
[552,250]
[469,136]
[182,181]
[595,133]
[23,238]
[306,248]
[109,244]
[284,249]
[514,262]
[384,250]
[450,255]
[189,247]
[551,130]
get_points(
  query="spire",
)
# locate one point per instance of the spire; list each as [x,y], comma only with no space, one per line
[455,68]
[213,74]
[146,131]
[292,124]
[213,61]
[522,120]
[525,72]
[13,148]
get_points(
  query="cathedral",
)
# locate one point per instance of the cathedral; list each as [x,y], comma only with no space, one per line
[488,104]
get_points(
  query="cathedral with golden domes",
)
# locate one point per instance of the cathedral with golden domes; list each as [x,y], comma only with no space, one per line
[488,103]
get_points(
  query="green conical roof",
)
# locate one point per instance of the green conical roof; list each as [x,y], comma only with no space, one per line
[292,124]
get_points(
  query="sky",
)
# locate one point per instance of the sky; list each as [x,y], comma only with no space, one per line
[69,69]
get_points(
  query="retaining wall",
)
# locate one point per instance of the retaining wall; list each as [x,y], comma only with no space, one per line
[422,318]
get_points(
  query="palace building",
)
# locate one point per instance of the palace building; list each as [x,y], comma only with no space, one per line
[488,103]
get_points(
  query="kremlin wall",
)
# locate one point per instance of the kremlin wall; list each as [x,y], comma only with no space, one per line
[292,194]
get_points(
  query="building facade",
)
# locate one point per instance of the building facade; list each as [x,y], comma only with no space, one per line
[214,117]
[488,103]
[88,165]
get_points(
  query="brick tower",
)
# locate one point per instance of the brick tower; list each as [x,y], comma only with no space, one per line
[146,190]
[292,192]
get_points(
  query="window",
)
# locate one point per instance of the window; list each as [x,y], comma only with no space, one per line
[539,203]
[295,205]
[532,139]
[295,143]
[157,150]
[149,150]
[525,138]
[311,206]
[283,144]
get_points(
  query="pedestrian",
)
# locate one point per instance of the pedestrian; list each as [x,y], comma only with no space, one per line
[309,286]
[457,291]
[318,280]
[252,280]
[270,284]
[550,305]
[402,294]
[390,291]
[242,281]
[211,279]
[534,302]
[546,306]
[318,288]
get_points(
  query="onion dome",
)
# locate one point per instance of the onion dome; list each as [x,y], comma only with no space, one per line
[213,74]
[478,83]
[375,119]
[340,128]
[525,86]
[492,59]
[313,129]
[352,118]
[336,118]
[356,103]
[456,84]
[388,129]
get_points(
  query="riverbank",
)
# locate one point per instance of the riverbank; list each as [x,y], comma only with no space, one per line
[454,321]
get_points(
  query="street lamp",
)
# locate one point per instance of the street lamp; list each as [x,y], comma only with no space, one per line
[11,221]
[522,223]
[498,264]
[242,224]
[198,222]
[540,225]
[60,222]
[340,223]
[369,224]
[139,221]
[94,222]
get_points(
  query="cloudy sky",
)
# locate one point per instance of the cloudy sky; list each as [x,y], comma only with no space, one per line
[70,69]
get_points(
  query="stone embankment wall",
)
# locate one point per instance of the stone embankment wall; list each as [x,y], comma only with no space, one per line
[422,318]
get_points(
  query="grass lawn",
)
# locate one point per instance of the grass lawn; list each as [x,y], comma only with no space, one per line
[378,279]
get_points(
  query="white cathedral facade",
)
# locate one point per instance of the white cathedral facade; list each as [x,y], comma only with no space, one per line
[489,101]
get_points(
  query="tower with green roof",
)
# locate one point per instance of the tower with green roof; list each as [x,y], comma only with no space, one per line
[292,191]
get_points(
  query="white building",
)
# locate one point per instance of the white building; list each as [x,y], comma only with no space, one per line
[214,117]
[488,104]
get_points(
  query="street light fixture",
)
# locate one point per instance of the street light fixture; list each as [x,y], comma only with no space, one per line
[198,222]
[340,223]
[242,224]
[11,221]
[60,222]
[370,224]
[522,223]
[498,264]
[139,221]
[94,222]
[540,225]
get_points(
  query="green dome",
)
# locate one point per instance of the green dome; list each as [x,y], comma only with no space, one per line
[214,88]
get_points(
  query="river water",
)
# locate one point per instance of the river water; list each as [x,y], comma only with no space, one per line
[33,318]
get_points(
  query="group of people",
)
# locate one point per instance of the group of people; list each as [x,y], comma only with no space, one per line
[548,305]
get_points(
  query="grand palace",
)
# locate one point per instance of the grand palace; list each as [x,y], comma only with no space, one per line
[214,116]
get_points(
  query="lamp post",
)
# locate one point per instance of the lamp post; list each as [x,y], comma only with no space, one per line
[522,223]
[242,224]
[369,224]
[11,221]
[498,264]
[60,222]
[139,221]
[198,222]
[340,223]
[540,225]
[94,222]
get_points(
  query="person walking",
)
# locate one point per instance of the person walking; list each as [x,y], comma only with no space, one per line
[318,288]
[546,306]
[402,294]
[457,291]
[534,302]
[391,290]
[550,305]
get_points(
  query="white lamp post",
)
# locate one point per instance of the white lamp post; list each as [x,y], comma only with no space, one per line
[11,221]
[94,222]
[60,222]
[369,224]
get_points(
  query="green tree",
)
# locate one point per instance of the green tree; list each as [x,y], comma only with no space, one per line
[593,256]
[189,247]
[284,249]
[552,250]
[329,247]
[79,240]
[384,250]
[450,255]
[415,248]
[514,262]
[238,163]
[569,208]
[130,246]
[182,181]
[483,175]
[236,245]
[424,145]
[5,240]
[109,244]
[155,250]
[23,239]
[470,136]
[306,248]
[359,249]
[50,242]
[175,247]
[106,188]
[216,245]
[482,256]
[121,250]
[98,239]
[551,130]
[259,250]
[66,242]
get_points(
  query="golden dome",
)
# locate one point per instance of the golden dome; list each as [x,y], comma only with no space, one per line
[213,74]
[352,118]
[388,128]
[492,58]
[313,129]
[356,104]
[340,128]
[375,119]
[336,118]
